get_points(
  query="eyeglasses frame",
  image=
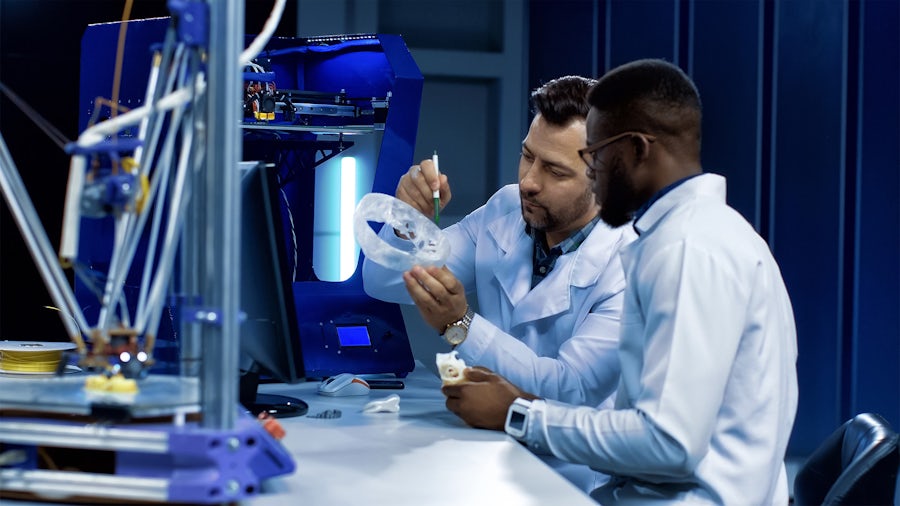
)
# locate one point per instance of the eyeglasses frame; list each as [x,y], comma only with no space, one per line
[592,150]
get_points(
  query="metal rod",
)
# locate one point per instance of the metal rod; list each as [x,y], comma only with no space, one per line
[220,253]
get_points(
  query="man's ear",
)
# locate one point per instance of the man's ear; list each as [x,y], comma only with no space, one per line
[641,148]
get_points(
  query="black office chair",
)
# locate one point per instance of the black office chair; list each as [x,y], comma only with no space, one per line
[856,464]
[897,491]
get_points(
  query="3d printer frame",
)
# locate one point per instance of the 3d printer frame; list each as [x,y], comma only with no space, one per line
[178,439]
[157,168]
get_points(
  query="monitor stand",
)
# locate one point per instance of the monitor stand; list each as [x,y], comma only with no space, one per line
[279,406]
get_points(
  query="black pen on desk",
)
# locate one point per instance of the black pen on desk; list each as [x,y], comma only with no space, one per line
[436,194]
[384,384]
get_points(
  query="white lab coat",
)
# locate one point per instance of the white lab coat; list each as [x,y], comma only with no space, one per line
[708,392]
[558,340]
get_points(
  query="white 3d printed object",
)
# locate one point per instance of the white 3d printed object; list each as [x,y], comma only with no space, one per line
[450,367]
[426,244]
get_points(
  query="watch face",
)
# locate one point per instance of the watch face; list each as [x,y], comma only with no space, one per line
[517,418]
[455,335]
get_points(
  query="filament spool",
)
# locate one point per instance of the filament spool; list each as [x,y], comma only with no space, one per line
[31,357]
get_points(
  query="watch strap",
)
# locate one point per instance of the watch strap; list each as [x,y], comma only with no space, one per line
[517,418]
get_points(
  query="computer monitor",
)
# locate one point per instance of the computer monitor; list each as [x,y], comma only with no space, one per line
[269,337]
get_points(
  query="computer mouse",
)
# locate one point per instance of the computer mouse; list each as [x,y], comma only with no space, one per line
[342,385]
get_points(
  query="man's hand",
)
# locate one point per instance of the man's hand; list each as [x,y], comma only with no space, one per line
[483,400]
[417,187]
[437,293]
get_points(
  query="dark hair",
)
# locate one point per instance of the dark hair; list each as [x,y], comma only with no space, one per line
[652,96]
[563,99]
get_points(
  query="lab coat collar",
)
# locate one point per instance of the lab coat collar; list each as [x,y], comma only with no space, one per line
[708,185]
[513,271]
[553,295]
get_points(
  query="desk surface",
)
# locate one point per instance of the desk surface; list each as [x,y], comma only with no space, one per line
[422,455]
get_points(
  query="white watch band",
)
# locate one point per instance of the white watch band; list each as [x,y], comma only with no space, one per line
[517,418]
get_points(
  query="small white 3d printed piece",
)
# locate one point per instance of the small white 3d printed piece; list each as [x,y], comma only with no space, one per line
[451,368]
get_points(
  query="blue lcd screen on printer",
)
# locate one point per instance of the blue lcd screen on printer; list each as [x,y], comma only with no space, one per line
[354,336]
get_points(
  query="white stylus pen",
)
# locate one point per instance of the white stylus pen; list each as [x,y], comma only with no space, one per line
[436,193]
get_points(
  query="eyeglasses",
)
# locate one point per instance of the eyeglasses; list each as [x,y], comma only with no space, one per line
[589,154]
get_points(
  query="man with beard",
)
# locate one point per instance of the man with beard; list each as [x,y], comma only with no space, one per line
[542,266]
[708,389]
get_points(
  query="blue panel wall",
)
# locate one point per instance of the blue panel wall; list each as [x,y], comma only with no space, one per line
[725,61]
[876,328]
[802,115]
[560,42]
[807,218]
[643,29]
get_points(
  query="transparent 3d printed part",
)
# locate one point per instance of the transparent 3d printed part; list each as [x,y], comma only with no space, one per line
[426,244]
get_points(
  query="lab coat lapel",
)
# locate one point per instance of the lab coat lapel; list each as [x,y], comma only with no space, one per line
[513,268]
[572,273]
[551,296]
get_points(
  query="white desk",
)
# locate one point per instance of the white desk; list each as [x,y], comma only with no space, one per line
[423,455]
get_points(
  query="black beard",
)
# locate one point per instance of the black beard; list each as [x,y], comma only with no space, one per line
[621,200]
[615,217]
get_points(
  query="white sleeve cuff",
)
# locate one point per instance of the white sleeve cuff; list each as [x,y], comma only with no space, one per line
[534,435]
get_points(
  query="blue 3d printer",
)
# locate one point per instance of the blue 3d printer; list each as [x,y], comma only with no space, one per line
[322,113]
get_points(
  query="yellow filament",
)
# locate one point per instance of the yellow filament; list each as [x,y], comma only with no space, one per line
[30,361]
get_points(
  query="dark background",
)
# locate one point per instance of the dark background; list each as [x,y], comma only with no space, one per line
[40,58]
